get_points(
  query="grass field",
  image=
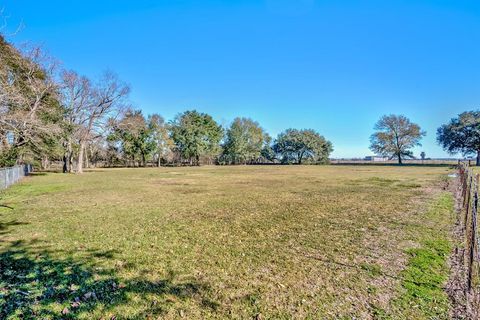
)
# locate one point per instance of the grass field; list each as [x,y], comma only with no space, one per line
[264,242]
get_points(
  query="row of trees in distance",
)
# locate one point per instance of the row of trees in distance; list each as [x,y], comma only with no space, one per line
[50,114]
[193,138]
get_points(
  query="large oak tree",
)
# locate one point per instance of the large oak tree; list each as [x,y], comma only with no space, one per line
[195,135]
[134,136]
[244,141]
[296,146]
[462,134]
[395,136]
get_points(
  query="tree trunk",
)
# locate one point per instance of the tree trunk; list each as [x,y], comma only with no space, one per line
[144,159]
[87,160]
[65,166]
[159,160]
[399,159]
[478,158]
[44,162]
[300,158]
[69,157]
[80,157]
[65,158]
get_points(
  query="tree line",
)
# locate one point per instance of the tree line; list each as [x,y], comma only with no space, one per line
[50,114]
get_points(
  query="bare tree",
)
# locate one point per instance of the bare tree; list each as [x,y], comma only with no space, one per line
[77,98]
[106,100]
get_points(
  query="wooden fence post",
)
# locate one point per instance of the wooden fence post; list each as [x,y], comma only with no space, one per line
[471,249]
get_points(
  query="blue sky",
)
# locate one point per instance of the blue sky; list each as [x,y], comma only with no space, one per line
[334,66]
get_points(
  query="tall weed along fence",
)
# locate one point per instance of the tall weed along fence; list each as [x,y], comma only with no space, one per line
[9,176]
[469,183]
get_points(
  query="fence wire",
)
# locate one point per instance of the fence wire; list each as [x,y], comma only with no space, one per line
[9,176]
[469,183]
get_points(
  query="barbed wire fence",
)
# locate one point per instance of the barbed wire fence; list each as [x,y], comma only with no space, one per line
[12,175]
[469,184]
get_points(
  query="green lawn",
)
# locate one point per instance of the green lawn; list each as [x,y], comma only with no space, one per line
[269,242]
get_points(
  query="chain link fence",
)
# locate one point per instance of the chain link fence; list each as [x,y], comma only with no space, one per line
[9,176]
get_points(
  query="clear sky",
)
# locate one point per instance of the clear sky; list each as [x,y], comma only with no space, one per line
[334,66]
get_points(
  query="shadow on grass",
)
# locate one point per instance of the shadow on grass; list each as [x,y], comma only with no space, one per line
[40,173]
[5,226]
[35,285]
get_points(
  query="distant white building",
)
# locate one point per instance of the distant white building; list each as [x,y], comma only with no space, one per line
[376,158]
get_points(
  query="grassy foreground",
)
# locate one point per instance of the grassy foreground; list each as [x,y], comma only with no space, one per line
[243,242]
